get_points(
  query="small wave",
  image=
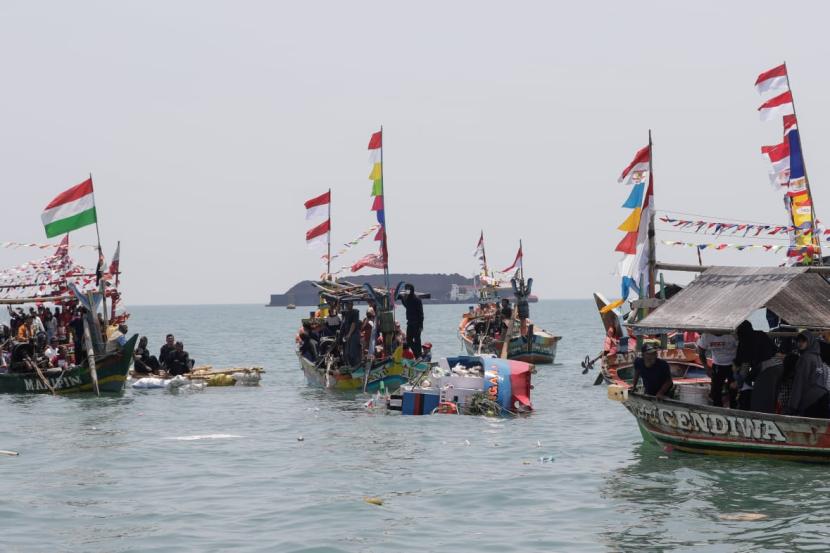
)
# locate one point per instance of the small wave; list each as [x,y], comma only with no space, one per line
[203,437]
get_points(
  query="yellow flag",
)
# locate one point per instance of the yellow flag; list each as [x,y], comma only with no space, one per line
[632,223]
[375,174]
[611,306]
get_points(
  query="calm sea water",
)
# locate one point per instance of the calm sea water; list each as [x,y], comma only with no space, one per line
[224,469]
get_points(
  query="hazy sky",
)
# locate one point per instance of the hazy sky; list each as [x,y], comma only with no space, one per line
[207,124]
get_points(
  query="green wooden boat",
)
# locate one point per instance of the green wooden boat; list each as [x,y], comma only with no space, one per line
[111,368]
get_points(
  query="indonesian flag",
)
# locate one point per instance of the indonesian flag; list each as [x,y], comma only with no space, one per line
[479,253]
[790,123]
[779,105]
[774,80]
[70,210]
[116,260]
[778,156]
[515,261]
[319,206]
[319,234]
[373,260]
[637,170]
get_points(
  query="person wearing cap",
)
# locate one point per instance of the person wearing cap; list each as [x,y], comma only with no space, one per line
[655,372]
[427,352]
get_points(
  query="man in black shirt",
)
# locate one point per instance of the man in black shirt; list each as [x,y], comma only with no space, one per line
[414,319]
[178,361]
[166,349]
[655,372]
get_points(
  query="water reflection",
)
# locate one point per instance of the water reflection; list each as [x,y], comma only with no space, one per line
[685,500]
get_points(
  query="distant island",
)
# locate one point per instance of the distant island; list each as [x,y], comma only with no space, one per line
[442,288]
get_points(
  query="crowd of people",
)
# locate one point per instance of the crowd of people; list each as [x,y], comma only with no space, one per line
[51,337]
[337,328]
[492,321]
[750,370]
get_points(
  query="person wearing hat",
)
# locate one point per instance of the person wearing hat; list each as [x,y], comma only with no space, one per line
[427,352]
[655,372]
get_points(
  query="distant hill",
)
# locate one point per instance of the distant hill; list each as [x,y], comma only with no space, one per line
[437,285]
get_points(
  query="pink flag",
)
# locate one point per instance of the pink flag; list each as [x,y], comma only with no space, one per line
[779,105]
[774,80]
[373,260]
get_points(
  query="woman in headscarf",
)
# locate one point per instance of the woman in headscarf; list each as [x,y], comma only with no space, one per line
[809,396]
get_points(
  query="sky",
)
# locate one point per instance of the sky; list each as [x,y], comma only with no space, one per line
[207,124]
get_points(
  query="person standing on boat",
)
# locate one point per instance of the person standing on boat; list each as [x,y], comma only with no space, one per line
[723,348]
[755,353]
[809,396]
[655,372]
[414,319]
[350,333]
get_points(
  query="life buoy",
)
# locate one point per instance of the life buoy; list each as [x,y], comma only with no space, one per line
[447,408]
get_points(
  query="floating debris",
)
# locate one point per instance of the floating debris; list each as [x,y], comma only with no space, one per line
[300,438]
[373,501]
[546,459]
[9,453]
[743,517]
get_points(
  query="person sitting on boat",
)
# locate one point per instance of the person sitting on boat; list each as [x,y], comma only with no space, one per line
[309,342]
[50,352]
[144,362]
[655,372]
[755,352]
[167,349]
[723,348]
[24,331]
[611,342]
[414,318]
[178,362]
[350,334]
[809,396]
[333,321]
[427,355]
[505,314]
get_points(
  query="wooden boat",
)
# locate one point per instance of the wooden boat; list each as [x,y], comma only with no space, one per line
[111,369]
[539,350]
[291,306]
[720,431]
[389,374]
[719,300]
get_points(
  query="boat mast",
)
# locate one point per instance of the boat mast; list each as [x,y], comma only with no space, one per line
[815,239]
[99,275]
[384,244]
[328,243]
[652,254]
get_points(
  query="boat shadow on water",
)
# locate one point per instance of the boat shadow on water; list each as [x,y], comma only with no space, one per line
[671,499]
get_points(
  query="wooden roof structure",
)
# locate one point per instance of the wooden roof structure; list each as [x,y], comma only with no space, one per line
[721,298]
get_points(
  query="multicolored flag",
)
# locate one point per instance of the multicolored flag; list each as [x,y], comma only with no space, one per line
[774,80]
[637,170]
[70,210]
[378,206]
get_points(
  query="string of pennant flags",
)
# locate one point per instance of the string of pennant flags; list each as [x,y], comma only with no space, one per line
[349,245]
[736,229]
[44,246]
[775,248]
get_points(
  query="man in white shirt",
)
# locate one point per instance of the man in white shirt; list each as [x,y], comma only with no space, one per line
[723,348]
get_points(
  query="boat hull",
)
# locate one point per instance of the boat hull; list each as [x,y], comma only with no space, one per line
[111,369]
[718,431]
[541,352]
[391,373]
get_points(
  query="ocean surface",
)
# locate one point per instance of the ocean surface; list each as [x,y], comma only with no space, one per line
[283,467]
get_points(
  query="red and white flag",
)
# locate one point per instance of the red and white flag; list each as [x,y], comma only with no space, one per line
[319,206]
[479,253]
[637,170]
[373,260]
[779,105]
[515,261]
[319,234]
[116,260]
[790,124]
[774,80]
[778,156]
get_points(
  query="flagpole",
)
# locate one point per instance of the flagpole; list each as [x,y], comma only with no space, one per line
[483,253]
[521,263]
[100,275]
[384,243]
[652,254]
[816,241]
[328,243]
